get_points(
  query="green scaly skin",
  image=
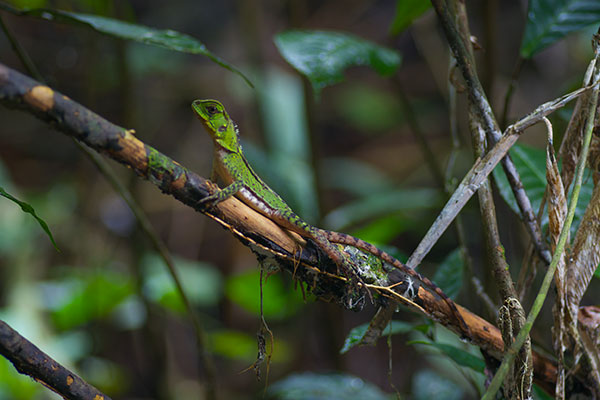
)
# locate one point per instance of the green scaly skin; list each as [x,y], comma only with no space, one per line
[241,181]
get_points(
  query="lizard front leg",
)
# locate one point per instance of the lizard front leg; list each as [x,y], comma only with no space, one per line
[220,194]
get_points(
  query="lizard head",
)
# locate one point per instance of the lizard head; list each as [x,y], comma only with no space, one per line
[217,122]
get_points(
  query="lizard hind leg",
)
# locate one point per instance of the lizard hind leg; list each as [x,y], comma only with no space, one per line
[356,285]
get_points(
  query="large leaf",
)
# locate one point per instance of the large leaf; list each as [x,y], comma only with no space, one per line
[550,20]
[325,386]
[165,38]
[531,164]
[29,209]
[406,12]
[323,56]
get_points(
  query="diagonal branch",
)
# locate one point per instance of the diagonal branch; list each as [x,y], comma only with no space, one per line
[30,360]
[480,171]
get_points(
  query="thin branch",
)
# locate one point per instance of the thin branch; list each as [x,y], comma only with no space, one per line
[29,360]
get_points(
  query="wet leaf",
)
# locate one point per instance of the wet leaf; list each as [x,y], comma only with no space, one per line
[323,56]
[550,20]
[165,38]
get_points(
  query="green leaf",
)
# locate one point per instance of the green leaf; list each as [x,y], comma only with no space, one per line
[165,38]
[278,301]
[94,296]
[406,12]
[459,356]
[531,164]
[323,56]
[357,333]
[311,386]
[449,276]
[550,20]
[29,209]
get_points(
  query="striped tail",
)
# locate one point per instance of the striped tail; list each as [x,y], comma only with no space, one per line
[343,238]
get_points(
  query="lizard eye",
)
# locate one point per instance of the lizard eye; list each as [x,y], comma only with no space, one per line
[211,110]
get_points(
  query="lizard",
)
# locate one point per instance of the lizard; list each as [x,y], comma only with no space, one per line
[241,181]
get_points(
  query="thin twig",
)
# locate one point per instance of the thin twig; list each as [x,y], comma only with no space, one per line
[20,52]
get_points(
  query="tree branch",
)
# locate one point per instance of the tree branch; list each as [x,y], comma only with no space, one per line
[30,360]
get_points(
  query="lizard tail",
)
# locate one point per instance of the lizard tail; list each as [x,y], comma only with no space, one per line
[343,238]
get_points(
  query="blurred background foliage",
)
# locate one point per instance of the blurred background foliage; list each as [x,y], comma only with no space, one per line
[324,119]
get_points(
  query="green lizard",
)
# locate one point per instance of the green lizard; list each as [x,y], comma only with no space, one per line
[241,181]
